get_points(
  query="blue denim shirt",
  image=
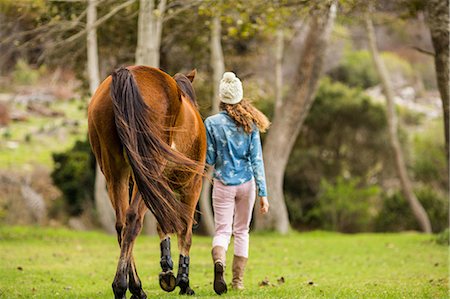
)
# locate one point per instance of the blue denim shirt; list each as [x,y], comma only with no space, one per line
[235,154]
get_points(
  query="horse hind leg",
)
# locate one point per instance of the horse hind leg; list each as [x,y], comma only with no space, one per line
[126,268]
[167,280]
[134,282]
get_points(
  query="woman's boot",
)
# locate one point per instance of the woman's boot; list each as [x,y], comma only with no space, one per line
[239,263]
[219,258]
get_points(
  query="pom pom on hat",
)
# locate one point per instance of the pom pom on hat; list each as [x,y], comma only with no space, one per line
[230,89]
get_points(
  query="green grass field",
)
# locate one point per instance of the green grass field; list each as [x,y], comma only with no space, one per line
[58,263]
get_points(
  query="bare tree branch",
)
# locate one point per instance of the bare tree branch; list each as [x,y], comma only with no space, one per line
[427,52]
[97,23]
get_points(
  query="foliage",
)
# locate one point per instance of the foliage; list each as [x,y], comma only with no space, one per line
[355,69]
[23,74]
[344,206]
[73,174]
[396,215]
[36,263]
[344,135]
[443,237]
[429,160]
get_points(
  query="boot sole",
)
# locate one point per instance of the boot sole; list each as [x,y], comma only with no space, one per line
[220,286]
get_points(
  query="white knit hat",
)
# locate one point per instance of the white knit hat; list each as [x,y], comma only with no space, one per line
[230,89]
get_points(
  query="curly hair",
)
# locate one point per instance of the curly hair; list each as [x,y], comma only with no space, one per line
[246,115]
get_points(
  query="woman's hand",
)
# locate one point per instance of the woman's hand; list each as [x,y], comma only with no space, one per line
[264,204]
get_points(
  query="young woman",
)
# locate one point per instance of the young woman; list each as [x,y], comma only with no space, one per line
[234,149]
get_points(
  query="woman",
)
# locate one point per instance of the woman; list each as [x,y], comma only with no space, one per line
[234,149]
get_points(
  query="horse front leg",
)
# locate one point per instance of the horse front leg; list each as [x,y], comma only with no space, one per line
[190,197]
[184,242]
[167,280]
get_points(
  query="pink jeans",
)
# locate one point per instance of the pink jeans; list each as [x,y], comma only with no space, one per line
[233,206]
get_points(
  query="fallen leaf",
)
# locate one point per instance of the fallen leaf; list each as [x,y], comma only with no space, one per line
[264,283]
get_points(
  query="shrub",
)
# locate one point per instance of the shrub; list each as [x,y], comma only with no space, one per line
[344,135]
[74,175]
[396,215]
[344,206]
[24,74]
[356,70]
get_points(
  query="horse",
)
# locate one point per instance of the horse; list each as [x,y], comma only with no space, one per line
[145,129]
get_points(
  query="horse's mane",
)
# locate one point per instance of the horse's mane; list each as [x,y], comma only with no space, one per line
[186,87]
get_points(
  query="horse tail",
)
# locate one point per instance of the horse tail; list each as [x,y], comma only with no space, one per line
[147,152]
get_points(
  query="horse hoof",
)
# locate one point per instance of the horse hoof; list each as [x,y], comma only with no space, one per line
[167,281]
[188,291]
[142,295]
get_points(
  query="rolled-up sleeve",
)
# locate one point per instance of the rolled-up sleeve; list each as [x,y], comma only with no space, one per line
[257,162]
[211,145]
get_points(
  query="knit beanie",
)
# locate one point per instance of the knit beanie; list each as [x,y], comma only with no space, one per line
[230,89]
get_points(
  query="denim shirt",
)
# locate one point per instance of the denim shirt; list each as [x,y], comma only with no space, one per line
[235,154]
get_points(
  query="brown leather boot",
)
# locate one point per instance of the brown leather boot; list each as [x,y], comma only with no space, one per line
[239,263]
[219,258]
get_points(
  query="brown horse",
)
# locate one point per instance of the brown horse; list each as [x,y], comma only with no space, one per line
[144,126]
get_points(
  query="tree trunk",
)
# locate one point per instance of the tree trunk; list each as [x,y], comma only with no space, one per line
[400,166]
[279,49]
[287,123]
[217,63]
[150,24]
[103,206]
[437,14]
[218,68]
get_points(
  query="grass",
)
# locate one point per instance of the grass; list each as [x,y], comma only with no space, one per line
[33,140]
[59,263]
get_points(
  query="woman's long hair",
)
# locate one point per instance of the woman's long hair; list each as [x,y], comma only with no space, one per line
[246,115]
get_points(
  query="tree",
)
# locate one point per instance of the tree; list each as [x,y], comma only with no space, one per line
[287,123]
[437,13]
[218,68]
[150,24]
[102,203]
[400,166]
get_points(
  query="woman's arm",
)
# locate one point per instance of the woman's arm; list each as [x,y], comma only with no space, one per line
[257,162]
[211,153]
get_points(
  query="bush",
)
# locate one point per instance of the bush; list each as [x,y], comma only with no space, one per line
[74,175]
[443,237]
[344,206]
[356,70]
[344,135]
[23,74]
[396,215]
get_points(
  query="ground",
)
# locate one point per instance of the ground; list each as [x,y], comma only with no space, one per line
[59,263]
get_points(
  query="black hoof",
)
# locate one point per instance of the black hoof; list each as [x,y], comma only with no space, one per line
[141,295]
[220,286]
[188,291]
[167,281]
[183,283]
